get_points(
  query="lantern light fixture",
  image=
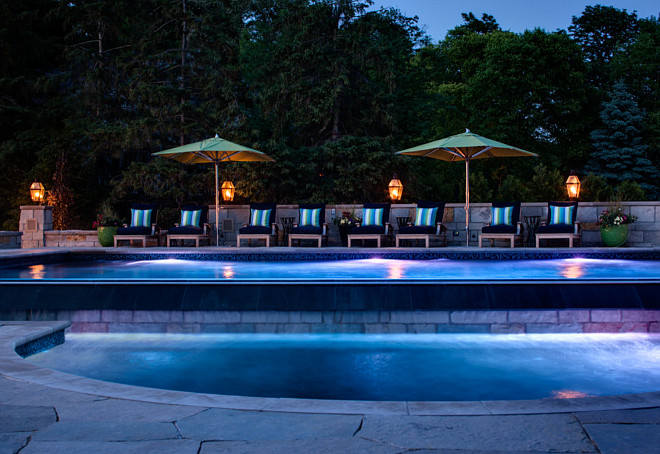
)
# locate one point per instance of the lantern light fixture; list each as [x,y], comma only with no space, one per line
[573,186]
[37,192]
[396,188]
[227,190]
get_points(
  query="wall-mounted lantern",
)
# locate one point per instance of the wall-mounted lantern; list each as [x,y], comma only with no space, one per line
[573,186]
[227,190]
[396,188]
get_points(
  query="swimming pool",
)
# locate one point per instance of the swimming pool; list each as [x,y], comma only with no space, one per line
[362,367]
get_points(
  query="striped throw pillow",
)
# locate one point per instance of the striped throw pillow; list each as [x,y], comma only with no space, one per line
[372,216]
[310,216]
[561,215]
[502,216]
[425,216]
[260,217]
[140,218]
[190,218]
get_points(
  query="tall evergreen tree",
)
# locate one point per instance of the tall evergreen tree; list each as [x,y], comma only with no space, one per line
[619,150]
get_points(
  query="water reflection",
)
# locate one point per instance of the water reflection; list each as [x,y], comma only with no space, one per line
[395,270]
[228,272]
[572,270]
[37,271]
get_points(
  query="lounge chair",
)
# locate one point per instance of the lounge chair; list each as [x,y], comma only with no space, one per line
[261,224]
[375,224]
[143,227]
[560,224]
[193,226]
[427,225]
[311,224]
[504,224]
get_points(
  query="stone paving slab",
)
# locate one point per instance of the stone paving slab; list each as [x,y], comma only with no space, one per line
[546,433]
[107,431]
[13,442]
[625,438]
[104,409]
[321,445]
[216,424]
[14,418]
[641,416]
[138,447]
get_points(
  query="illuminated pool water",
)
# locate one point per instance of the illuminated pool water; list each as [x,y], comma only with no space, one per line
[366,269]
[369,367]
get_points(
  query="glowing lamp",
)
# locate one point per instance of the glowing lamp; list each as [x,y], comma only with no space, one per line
[227,190]
[37,192]
[573,186]
[396,188]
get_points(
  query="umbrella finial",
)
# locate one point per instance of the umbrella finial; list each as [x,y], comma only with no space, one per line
[467,131]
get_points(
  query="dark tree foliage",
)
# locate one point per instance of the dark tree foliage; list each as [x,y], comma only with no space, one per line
[620,153]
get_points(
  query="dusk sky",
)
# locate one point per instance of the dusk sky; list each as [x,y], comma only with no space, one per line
[439,16]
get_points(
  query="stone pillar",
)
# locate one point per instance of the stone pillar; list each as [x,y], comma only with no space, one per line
[35,220]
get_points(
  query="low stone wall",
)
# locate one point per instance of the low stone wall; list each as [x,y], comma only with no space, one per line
[71,238]
[385,322]
[10,240]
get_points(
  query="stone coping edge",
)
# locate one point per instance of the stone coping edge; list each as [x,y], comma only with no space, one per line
[13,334]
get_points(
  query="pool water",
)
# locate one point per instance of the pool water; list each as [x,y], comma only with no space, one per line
[366,269]
[442,367]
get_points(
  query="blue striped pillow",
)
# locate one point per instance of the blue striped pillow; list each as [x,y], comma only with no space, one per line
[310,216]
[425,216]
[372,216]
[502,216]
[140,218]
[260,217]
[561,215]
[190,218]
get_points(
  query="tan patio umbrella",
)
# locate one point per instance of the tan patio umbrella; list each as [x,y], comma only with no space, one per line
[214,150]
[466,147]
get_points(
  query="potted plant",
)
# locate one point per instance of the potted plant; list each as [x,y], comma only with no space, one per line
[615,225]
[106,225]
[345,223]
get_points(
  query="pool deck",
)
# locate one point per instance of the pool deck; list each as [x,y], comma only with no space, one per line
[45,411]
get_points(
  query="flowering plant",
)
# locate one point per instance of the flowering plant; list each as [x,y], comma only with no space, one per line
[615,216]
[347,219]
[107,217]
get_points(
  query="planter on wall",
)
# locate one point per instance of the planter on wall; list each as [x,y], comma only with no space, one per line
[615,236]
[106,235]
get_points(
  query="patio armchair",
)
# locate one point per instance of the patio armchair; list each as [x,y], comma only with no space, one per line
[375,224]
[143,226]
[261,224]
[561,223]
[504,224]
[311,224]
[194,226]
[427,226]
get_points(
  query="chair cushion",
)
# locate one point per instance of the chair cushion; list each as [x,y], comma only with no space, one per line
[556,228]
[308,230]
[255,229]
[140,218]
[368,230]
[310,217]
[499,229]
[260,218]
[417,229]
[134,231]
[190,218]
[425,216]
[372,217]
[561,215]
[502,216]
[186,230]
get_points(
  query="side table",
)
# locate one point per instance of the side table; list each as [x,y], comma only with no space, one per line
[531,224]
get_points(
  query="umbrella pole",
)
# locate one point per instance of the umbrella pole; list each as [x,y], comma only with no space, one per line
[217,208]
[467,202]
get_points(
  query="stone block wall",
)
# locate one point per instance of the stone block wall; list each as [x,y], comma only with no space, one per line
[10,240]
[34,221]
[71,238]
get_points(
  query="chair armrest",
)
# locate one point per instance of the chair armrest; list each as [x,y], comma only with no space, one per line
[439,228]
[295,224]
[245,225]
[274,229]
[325,228]
[519,228]
[388,228]
[125,225]
[577,227]
[154,229]
[176,224]
[207,228]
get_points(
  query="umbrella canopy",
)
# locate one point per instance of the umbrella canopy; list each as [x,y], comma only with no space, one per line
[466,147]
[214,150]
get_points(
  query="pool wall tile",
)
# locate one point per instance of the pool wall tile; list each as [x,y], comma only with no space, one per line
[356,317]
[85,327]
[576,316]
[507,328]
[419,317]
[615,327]
[136,328]
[483,328]
[654,327]
[533,317]
[478,317]
[183,328]
[606,315]
[639,316]
[422,328]
[117,316]
[86,316]
[546,328]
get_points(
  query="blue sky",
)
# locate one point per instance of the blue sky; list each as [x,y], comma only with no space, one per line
[439,16]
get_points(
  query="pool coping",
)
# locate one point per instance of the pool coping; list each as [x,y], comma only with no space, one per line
[14,334]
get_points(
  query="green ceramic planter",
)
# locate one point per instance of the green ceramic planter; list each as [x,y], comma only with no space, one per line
[106,235]
[615,236]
